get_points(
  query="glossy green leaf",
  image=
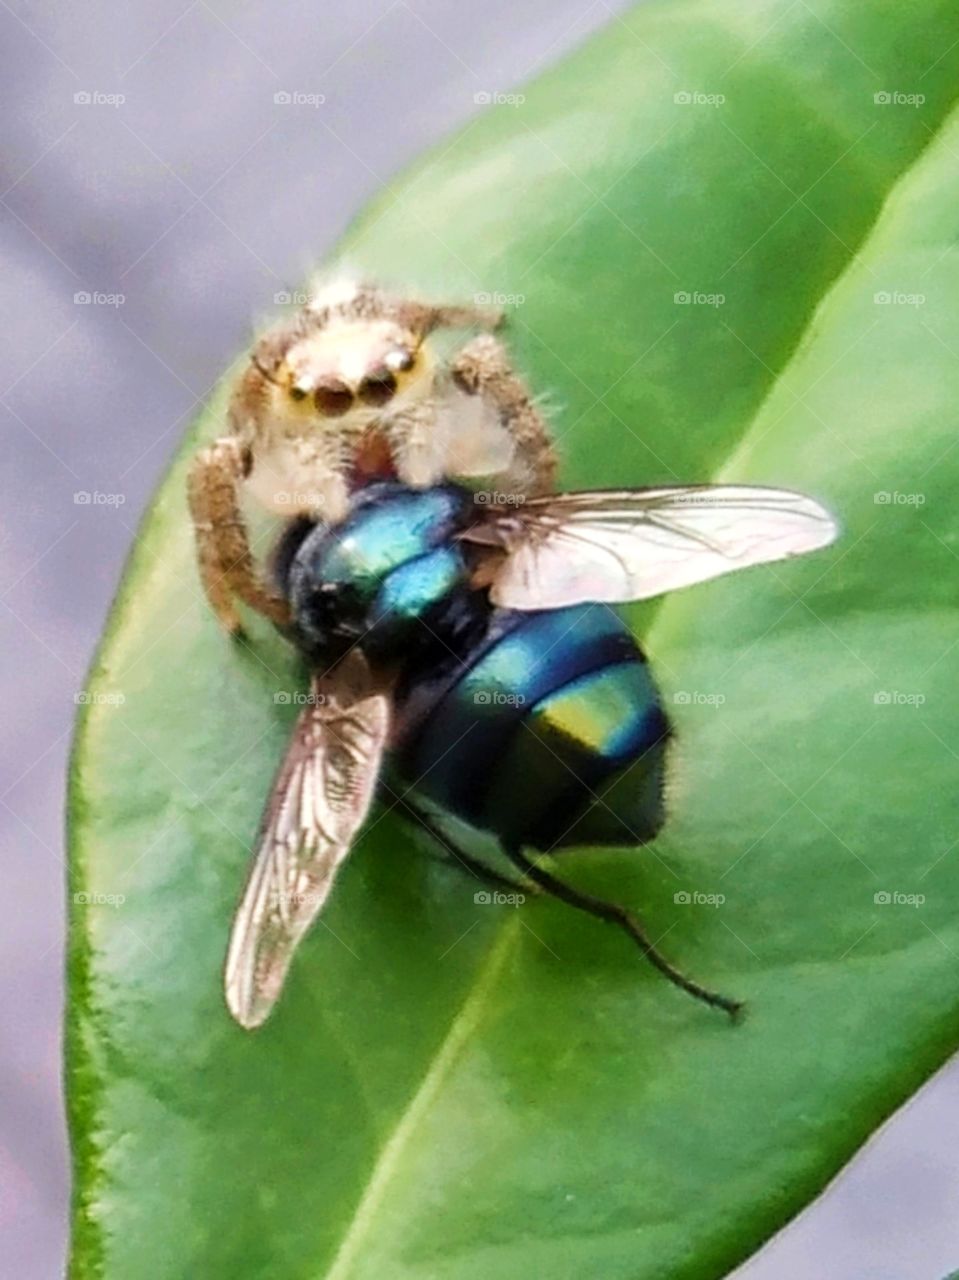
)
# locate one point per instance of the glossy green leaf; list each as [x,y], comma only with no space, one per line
[451,1091]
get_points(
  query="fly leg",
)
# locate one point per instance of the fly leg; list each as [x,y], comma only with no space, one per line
[614,913]
[474,866]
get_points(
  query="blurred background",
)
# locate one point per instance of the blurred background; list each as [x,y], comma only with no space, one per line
[167,171]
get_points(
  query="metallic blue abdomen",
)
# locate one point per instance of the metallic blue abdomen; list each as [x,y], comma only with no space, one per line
[548,712]
[544,728]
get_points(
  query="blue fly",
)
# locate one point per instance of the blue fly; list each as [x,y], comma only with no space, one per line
[473,648]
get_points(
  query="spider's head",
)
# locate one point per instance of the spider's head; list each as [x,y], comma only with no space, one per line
[349,366]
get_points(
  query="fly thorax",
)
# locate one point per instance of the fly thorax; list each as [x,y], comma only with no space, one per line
[385,579]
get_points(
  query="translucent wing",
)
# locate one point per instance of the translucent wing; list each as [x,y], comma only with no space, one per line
[320,798]
[629,544]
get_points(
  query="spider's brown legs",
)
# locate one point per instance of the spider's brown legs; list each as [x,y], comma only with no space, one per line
[483,368]
[224,557]
[468,316]
[424,318]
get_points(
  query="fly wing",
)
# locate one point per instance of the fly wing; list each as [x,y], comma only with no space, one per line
[630,544]
[320,798]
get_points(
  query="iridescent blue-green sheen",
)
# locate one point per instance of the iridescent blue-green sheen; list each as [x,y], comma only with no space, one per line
[542,727]
[575,742]
[390,564]
[386,537]
[411,589]
[528,737]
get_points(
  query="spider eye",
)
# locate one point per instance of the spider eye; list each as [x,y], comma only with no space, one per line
[333,398]
[400,361]
[378,388]
[297,392]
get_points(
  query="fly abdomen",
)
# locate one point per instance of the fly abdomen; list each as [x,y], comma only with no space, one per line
[541,720]
[579,744]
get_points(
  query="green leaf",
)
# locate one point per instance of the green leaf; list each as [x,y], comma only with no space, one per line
[455,1091]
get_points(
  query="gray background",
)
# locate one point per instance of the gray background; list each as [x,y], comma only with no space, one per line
[198,199]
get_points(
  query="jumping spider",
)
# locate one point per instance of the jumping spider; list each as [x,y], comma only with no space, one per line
[347,390]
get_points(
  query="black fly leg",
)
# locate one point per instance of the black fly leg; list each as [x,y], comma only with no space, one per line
[614,913]
[475,866]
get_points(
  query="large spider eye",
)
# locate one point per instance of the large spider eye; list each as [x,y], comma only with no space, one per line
[333,398]
[400,360]
[378,387]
